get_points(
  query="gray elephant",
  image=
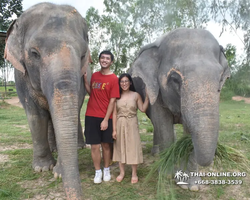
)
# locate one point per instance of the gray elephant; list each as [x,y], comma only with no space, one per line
[48,46]
[184,72]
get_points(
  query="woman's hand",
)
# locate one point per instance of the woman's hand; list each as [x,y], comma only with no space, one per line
[146,92]
[114,135]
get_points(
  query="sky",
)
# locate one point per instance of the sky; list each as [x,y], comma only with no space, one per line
[83,5]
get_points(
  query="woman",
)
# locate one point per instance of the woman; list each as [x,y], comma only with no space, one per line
[127,144]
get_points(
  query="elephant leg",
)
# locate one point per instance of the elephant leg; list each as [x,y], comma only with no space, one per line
[162,120]
[38,123]
[51,137]
[81,143]
[57,170]
[191,166]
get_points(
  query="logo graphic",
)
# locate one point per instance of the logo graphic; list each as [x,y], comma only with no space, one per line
[181,177]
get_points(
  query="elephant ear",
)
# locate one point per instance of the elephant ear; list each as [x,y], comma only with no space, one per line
[226,72]
[13,49]
[87,59]
[173,90]
[145,67]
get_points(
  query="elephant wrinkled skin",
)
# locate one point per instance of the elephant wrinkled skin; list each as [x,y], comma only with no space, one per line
[184,72]
[48,46]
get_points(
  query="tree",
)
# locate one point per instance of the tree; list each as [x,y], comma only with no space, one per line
[239,82]
[230,52]
[114,33]
[8,10]
[127,25]
[233,15]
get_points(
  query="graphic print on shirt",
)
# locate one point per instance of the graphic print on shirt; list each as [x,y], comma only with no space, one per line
[96,85]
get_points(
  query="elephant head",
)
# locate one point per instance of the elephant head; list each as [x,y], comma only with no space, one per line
[184,72]
[48,46]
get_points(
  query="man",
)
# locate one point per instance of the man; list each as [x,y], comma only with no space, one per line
[103,91]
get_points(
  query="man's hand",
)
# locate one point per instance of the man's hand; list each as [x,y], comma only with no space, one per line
[104,125]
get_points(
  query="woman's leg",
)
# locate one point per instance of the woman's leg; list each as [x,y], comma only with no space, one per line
[122,172]
[134,178]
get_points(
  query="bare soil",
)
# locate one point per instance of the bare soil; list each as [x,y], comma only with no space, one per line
[14,101]
[239,98]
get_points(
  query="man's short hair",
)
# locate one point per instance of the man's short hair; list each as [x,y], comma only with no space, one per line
[108,52]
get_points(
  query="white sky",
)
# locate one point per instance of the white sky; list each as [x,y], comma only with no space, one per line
[83,5]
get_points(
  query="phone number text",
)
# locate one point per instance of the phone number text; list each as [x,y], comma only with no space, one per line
[219,182]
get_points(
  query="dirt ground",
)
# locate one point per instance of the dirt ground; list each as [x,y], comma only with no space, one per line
[15,101]
[239,98]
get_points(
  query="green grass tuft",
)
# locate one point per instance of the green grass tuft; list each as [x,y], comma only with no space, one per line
[178,153]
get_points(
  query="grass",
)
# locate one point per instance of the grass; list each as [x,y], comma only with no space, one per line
[2,88]
[19,181]
[10,92]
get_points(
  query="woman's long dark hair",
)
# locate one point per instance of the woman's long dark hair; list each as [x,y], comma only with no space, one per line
[131,87]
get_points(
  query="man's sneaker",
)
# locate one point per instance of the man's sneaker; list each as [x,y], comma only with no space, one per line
[98,176]
[106,175]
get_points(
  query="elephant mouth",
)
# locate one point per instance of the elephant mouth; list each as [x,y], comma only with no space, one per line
[63,84]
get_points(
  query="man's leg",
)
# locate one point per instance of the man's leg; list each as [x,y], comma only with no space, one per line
[106,159]
[106,154]
[96,157]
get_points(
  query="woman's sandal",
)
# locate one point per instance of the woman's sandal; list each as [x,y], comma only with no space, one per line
[134,179]
[119,178]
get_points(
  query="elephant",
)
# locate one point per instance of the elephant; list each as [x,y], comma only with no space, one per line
[48,46]
[183,71]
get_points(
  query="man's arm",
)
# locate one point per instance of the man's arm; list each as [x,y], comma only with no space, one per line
[104,124]
[114,119]
[86,83]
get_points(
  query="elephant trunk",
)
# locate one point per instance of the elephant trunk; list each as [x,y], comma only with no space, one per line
[64,112]
[62,88]
[201,119]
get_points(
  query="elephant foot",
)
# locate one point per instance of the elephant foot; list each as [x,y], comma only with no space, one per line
[81,145]
[190,184]
[155,150]
[53,148]
[43,164]
[57,171]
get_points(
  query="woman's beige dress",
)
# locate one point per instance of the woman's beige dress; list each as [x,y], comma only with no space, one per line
[127,146]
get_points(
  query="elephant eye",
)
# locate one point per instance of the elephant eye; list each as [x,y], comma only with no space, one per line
[35,53]
[82,57]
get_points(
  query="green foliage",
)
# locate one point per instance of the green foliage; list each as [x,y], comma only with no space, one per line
[114,33]
[226,94]
[235,15]
[7,9]
[2,46]
[230,52]
[179,152]
[239,82]
[127,25]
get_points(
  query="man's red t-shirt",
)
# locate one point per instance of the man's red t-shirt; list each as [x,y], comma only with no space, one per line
[103,88]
